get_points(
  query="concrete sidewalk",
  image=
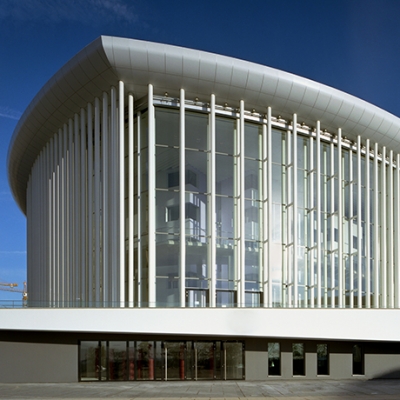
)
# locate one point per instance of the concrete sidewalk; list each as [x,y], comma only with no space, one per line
[279,389]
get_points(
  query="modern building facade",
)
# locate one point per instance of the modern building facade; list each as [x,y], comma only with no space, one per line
[213,211]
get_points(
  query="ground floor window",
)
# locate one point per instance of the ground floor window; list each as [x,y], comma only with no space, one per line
[322,359]
[358,360]
[274,359]
[160,360]
[298,359]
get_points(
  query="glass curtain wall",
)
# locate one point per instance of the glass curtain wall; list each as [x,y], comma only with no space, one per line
[253,213]
[143,360]
[197,198]
[326,217]
[226,160]
[167,207]
[279,217]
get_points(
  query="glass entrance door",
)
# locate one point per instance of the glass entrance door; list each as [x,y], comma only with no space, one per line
[204,360]
[160,360]
[175,360]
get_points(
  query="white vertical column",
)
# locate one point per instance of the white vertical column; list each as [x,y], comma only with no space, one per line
[152,200]
[383,237]
[38,187]
[52,221]
[97,205]
[340,265]
[57,219]
[131,221]
[44,208]
[242,206]
[397,234]
[50,182]
[36,183]
[390,215]
[269,195]
[182,209]
[77,211]
[47,213]
[211,211]
[64,216]
[376,230]
[105,210]
[139,211]
[265,215]
[350,233]
[288,203]
[50,203]
[113,198]
[333,213]
[121,135]
[36,208]
[318,211]
[359,225]
[311,226]
[90,204]
[71,219]
[295,220]
[83,219]
[367,227]
[30,238]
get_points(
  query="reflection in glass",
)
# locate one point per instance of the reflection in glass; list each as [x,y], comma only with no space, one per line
[252,140]
[225,209]
[167,126]
[274,359]
[117,358]
[145,361]
[322,359]
[149,360]
[224,174]
[358,360]
[225,131]
[204,356]
[175,360]
[196,271]
[234,368]
[196,298]
[298,359]
[131,361]
[196,131]
[226,298]
[167,168]
[252,299]
[225,265]
[89,363]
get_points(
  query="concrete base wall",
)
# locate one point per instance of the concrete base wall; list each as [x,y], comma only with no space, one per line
[379,362]
[384,366]
[43,357]
[38,362]
[256,359]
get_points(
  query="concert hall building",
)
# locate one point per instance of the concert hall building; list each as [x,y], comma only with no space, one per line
[192,216]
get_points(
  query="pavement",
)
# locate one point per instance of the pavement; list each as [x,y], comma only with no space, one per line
[237,390]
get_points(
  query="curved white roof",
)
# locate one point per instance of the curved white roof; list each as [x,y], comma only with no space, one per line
[169,68]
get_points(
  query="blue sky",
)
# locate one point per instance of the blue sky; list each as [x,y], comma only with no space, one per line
[352,45]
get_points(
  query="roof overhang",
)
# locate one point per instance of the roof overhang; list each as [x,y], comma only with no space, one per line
[169,68]
[311,324]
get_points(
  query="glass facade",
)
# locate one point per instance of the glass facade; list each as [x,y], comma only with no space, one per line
[161,360]
[222,208]
[304,239]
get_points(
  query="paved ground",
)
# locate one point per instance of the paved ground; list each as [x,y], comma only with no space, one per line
[304,389]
